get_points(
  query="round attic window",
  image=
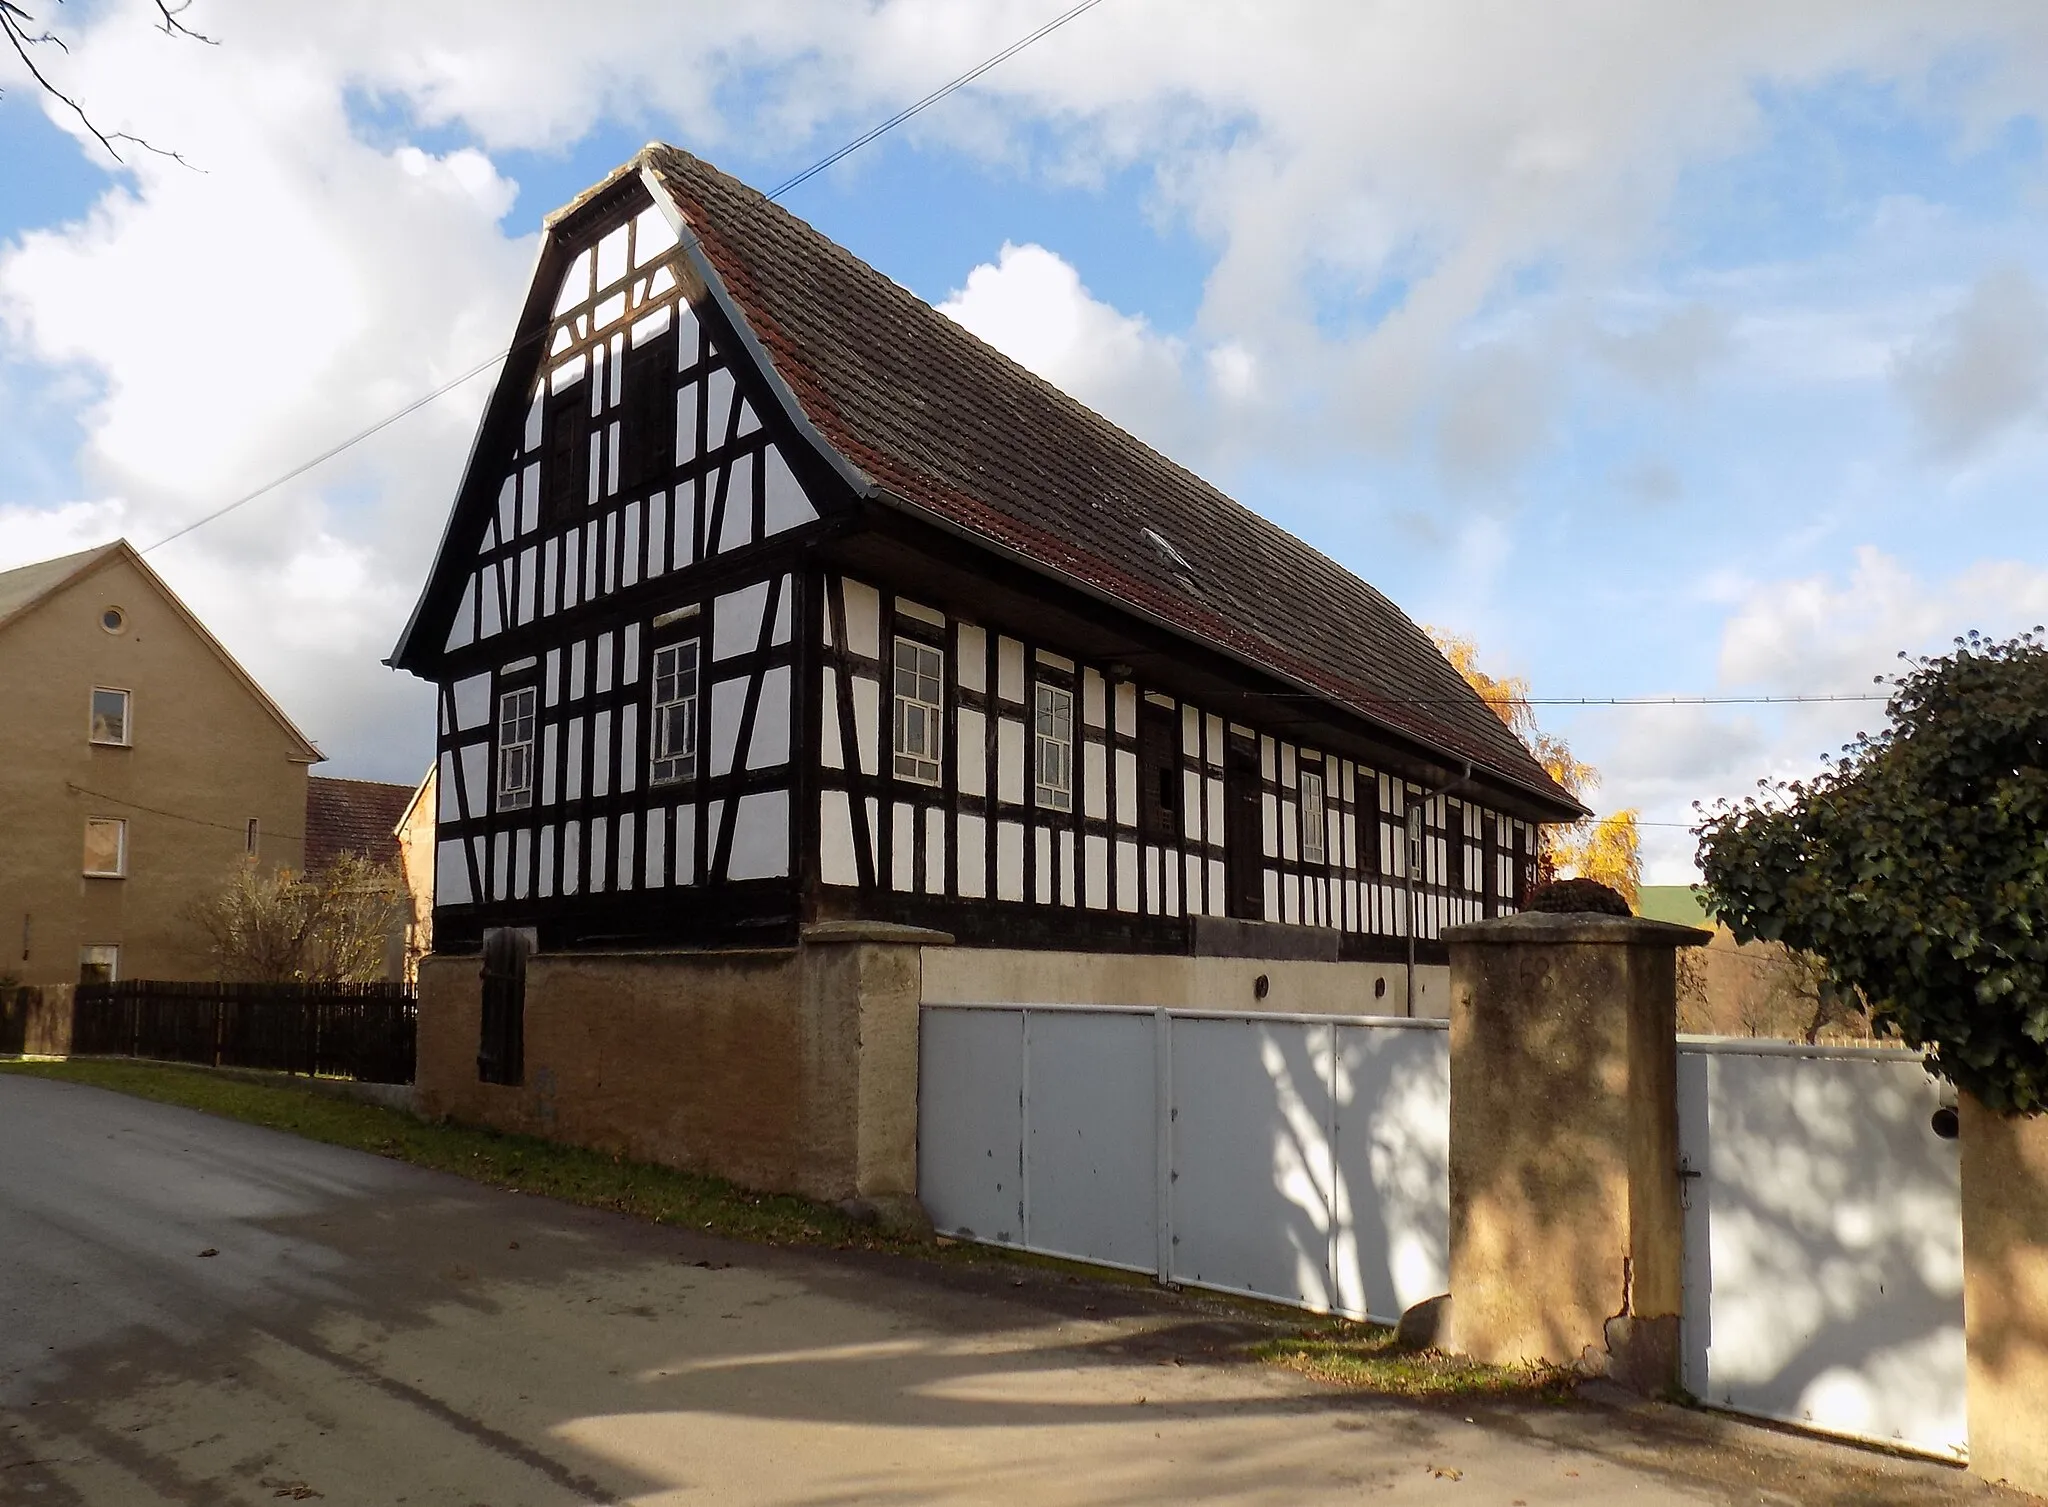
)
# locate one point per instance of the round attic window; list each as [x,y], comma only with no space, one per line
[113,620]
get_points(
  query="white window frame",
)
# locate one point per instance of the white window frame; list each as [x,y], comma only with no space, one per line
[120,826]
[672,722]
[97,952]
[1315,830]
[1053,750]
[127,738]
[517,712]
[919,723]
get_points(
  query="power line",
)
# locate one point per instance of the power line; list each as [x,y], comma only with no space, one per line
[489,361]
[177,816]
[934,97]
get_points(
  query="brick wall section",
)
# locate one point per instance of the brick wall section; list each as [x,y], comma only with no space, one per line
[784,1070]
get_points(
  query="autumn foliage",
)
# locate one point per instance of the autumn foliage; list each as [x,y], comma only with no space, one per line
[1605,849]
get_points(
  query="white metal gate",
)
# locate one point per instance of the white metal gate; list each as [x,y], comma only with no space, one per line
[1302,1158]
[1823,1241]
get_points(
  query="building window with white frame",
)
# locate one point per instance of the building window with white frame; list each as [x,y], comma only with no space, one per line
[109,725]
[673,726]
[919,723]
[1313,824]
[515,749]
[106,848]
[99,965]
[1053,730]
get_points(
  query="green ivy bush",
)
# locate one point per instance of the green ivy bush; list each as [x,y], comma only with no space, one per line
[1915,867]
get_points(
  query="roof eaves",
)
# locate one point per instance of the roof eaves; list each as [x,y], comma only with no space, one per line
[90,560]
[1104,583]
[308,752]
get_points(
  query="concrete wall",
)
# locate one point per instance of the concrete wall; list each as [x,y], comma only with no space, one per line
[1565,1209]
[2005,1294]
[36,1022]
[989,975]
[204,748]
[789,1070]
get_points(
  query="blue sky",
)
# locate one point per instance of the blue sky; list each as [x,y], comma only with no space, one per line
[1683,350]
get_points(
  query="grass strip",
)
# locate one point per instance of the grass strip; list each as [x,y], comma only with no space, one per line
[1364,1357]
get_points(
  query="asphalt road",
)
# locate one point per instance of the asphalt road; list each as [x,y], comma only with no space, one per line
[197,1311]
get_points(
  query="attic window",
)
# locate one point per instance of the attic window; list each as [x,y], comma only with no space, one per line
[113,620]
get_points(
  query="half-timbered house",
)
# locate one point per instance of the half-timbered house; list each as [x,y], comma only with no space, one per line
[775,607]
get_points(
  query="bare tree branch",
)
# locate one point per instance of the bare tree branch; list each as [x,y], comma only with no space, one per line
[19,27]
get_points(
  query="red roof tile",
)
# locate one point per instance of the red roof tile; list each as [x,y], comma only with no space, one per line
[946,423]
[352,816]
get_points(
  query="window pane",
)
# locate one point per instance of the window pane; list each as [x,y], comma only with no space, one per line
[109,716]
[103,844]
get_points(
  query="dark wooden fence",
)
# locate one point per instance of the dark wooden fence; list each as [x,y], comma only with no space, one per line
[361,1031]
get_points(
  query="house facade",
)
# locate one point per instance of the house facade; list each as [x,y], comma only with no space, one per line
[139,764]
[776,607]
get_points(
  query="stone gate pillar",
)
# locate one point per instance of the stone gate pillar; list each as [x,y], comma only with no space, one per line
[2005,1294]
[1565,1199]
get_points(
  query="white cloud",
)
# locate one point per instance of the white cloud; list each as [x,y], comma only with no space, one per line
[1030,304]
[308,282]
[1820,634]
[1983,368]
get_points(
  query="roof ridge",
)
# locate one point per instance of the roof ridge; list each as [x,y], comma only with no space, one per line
[943,422]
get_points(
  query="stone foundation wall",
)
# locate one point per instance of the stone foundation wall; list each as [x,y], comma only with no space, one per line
[784,1070]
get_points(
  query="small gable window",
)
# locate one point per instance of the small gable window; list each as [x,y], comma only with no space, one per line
[919,716]
[674,723]
[1053,721]
[109,717]
[515,749]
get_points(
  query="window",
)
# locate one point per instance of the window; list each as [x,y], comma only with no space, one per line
[106,847]
[919,669]
[674,724]
[1159,779]
[1414,824]
[113,620]
[1313,827]
[109,716]
[99,965]
[515,749]
[1054,721]
[252,837]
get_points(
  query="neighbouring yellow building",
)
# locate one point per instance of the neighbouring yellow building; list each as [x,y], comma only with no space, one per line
[138,764]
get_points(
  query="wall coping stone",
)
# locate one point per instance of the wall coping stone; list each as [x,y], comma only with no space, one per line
[1554,928]
[837,933]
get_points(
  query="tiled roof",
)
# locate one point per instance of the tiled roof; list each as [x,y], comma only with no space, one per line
[940,420]
[352,816]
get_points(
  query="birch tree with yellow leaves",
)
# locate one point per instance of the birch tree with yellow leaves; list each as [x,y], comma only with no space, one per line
[1603,848]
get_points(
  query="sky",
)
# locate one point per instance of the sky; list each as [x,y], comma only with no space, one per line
[1688,350]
